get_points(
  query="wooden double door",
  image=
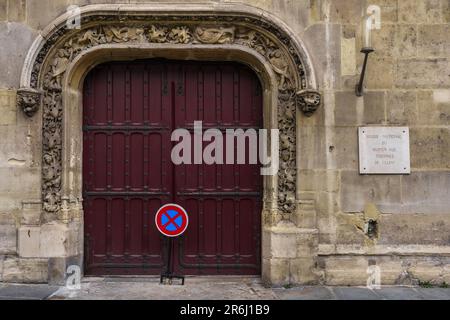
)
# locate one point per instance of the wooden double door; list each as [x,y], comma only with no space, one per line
[130,110]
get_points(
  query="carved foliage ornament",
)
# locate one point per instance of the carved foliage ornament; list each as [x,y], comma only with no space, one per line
[281,56]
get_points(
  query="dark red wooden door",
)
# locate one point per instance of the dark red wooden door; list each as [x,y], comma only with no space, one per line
[130,111]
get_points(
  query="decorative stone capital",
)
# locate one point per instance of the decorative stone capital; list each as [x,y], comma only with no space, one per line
[28,100]
[308,101]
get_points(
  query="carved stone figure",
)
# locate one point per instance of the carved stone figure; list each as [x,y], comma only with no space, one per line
[214,35]
[280,66]
[89,37]
[60,64]
[308,101]
[124,34]
[28,100]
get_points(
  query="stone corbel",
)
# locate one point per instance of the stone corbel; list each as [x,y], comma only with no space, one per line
[308,101]
[28,100]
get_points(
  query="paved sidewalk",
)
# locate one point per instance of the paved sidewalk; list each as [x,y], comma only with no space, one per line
[26,291]
[207,288]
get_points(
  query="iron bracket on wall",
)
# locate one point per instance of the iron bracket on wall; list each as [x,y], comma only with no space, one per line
[360,86]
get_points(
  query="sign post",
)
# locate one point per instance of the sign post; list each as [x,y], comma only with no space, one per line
[172,221]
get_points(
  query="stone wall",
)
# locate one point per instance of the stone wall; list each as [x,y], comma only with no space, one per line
[407,84]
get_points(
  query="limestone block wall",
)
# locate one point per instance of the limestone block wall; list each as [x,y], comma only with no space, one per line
[407,84]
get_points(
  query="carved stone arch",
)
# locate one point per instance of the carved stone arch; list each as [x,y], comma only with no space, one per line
[192,28]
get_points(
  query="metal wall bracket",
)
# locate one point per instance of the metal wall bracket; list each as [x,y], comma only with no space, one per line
[360,86]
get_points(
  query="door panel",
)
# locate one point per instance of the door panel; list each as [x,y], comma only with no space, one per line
[130,111]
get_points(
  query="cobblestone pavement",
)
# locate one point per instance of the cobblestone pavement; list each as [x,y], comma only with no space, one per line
[208,288]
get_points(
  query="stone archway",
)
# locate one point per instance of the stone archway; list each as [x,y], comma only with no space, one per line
[58,61]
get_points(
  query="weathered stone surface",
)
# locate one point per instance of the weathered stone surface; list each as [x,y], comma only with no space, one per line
[401,108]
[31,212]
[290,242]
[434,107]
[424,229]
[353,111]
[374,106]
[349,229]
[358,190]
[420,11]
[41,12]
[426,192]
[17,10]
[306,245]
[54,239]
[25,270]
[311,146]
[3,10]
[446,10]
[405,45]
[394,270]
[7,107]
[318,180]
[385,40]
[349,270]
[57,268]
[276,271]
[295,13]
[47,241]
[389,10]
[282,245]
[303,271]
[345,11]
[354,270]
[8,243]
[429,270]
[2,258]
[345,108]
[430,148]
[20,147]
[348,56]
[380,72]
[433,41]
[29,242]
[324,44]
[423,73]
[19,38]
[16,181]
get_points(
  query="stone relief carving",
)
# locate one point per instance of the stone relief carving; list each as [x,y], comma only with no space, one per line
[214,35]
[308,101]
[157,34]
[124,34]
[288,168]
[28,100]
[180,35]
[278,55]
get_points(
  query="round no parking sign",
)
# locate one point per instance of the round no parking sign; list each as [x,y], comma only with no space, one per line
[172,220]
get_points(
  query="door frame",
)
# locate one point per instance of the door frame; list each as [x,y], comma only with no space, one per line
[268,47]
[168,65]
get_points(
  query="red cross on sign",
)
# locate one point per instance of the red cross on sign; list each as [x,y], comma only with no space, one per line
[172,220]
